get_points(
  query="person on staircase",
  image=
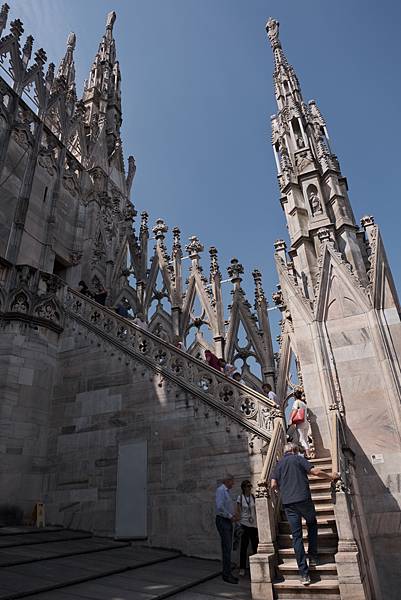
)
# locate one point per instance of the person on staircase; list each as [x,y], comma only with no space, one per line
[290,477]
[298,418]
[268,391]
[225,518]
[246,511]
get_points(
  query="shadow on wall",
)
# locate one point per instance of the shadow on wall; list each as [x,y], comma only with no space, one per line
[317,438]
[382,518]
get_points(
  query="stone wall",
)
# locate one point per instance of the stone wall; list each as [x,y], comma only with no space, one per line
[27,361]
[101,400]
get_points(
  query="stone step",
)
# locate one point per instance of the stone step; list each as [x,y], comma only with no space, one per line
[325,553]
[325,526]
[320,461]
[318,484]
[318,590]
[327,468]
[321,498]
[325,538]
[289,570]
[321,510]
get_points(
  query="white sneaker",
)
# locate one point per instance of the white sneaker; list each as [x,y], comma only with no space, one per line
[241,572]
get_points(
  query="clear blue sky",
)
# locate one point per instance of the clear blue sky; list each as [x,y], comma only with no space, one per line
[198,95]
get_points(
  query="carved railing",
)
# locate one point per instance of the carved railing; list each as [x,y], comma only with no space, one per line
[274,453]
[353,558]
[253,411]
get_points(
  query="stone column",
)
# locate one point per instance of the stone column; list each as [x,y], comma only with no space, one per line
[263,563]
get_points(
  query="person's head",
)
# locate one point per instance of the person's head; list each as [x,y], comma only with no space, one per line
[266,387]
[228,480]
[82,283]
[208,354]
[246,487]
[298,395]
[237,376]
[291,448]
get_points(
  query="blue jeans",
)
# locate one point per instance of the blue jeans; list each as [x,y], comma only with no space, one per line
[294,513]
[225,529]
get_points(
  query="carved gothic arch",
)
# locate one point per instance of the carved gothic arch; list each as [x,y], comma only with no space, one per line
[331,266]
[240,314]
[196,289]
[161,324]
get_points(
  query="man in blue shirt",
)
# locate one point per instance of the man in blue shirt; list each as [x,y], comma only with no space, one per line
[225,517]
[290,476]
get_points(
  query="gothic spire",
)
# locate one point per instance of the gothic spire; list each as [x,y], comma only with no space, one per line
[66,68]
[102,93]
[314,192]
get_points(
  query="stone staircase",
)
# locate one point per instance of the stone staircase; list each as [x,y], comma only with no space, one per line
[324,576]
[250,409]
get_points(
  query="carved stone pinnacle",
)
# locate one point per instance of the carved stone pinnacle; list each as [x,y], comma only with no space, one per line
[272,29]
[367,221]
[214,265]
[235,270]
[194,247]
[280,246]
[160,229]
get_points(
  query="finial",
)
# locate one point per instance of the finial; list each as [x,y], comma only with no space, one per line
[71,40]
[160,229]
[176,241]
[194,247]
[111,18]
[259,292]
[144,223]
[40,57]
[367,221]
[27,49]
[235,270]
[17,28]
[50,73]
[272,29]
[131,174]
[214,265]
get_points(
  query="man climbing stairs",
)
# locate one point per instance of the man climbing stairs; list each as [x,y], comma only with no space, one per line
[324,582]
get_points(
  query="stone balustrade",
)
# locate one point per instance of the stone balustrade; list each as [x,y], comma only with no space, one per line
[253,411]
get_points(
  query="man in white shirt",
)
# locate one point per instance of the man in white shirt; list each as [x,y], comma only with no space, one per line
[267,390]
[225,517]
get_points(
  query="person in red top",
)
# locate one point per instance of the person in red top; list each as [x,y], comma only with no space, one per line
[212,360]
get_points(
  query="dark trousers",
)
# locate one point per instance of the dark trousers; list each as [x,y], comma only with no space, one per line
[225,529]
[294,513]
[249,534]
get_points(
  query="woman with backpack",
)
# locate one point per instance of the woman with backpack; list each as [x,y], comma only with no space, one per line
[246,510]
[299,419]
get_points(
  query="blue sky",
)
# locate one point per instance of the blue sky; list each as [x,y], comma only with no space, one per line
[197,100]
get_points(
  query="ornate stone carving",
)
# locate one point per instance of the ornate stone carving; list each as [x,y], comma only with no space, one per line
[314,201]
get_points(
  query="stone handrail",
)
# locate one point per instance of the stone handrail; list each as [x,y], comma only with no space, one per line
[274,452]
[250,409]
